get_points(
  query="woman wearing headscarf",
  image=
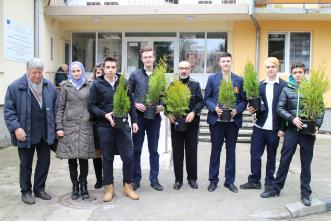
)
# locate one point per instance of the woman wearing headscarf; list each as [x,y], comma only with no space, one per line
[74,128]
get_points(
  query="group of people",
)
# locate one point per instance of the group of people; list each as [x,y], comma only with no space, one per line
[81,118]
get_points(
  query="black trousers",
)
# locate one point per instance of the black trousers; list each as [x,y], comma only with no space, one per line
[83,169]
[261,140]
[111,139]
[220,132]
[187,141]
[291,140]
[41,170]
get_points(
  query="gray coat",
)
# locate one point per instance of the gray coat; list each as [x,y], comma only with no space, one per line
[73,118]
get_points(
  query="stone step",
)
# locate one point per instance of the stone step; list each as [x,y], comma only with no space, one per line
[204,138]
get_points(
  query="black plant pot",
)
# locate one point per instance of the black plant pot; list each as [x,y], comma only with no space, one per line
[180,124]
[309,127]
[255,103]
[226,115]
[150,113]
[120,121]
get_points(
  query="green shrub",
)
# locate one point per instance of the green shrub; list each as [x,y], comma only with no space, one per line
[121,99]
[251,84]
[226,95]
[311,94]
[157,83]
[177,99]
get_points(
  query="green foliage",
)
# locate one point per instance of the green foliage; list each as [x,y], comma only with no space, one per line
[157,83]
[226,95]
[121,99]
[177,99]
[311,94]
[251,84]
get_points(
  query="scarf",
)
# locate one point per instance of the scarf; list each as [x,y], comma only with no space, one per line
[77,83]
[37,90]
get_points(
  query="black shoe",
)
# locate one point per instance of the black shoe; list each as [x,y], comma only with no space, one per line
[135,186]
[212,187]
[269,193]
[28,198]
[178,185]
[42,195]
[193,184]
[231,187]
[98,184]
[306,200]
[75,191]
[83,190]
[250,185]
[157,186]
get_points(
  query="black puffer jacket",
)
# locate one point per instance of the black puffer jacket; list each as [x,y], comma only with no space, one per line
[288,109]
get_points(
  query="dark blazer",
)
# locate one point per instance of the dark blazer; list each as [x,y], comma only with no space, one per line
[211,97]
[261,116]
[17,109]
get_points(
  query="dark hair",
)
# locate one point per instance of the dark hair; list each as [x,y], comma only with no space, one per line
[145,49]
[96,67]
[225,54]
[298,65]
[111,59]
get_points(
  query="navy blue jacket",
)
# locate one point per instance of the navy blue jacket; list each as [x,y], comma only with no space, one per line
[261,116]
[211,97]
[17,110]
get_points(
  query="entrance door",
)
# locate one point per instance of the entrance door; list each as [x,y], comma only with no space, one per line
[161,46]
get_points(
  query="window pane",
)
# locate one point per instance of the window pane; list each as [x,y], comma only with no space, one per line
[276,48]
[110,44]
[216,43]
[150,34]
[134,62]
[300,48]
[83,49]
[192,49]
[162,48]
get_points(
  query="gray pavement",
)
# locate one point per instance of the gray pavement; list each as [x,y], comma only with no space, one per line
[184,204]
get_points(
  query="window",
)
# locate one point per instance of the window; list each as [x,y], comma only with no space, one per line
[192,49]
[83,49]
[110,44]
[216,43]
[289,48]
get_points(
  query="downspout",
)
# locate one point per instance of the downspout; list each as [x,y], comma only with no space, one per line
[251,11]
[36,28]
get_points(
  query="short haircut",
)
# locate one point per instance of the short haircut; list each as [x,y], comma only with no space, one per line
[34,63]
[183,63]
[297,65]
[111,59]
[146,49]
[96,67]
[225,54]
[273,60]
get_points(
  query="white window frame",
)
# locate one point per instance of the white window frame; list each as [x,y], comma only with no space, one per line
[287,47]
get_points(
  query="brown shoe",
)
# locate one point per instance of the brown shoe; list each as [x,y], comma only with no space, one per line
[109,193]
[128,190]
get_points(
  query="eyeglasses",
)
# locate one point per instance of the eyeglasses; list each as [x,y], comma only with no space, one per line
[184,68]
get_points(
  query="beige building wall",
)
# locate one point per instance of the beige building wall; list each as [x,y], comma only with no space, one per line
[21,12]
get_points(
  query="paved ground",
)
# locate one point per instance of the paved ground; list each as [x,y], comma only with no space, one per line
[182,205]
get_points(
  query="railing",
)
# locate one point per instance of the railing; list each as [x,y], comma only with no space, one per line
[141,2]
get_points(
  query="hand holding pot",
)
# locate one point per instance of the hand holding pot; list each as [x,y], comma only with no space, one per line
[251,109]
[171,119]
[109,117]
[297,122]
[140,107]
[159,108]
[233,112]
[190,117]
[218,110]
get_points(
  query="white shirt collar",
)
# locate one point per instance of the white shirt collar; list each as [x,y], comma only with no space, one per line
[267,81]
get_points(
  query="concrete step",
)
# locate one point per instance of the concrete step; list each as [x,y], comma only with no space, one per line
[204,138]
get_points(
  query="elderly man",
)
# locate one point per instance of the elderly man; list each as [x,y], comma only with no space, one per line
[29,116]
[187,140]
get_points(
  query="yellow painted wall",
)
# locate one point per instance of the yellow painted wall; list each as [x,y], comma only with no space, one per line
[21,12]
[321,47]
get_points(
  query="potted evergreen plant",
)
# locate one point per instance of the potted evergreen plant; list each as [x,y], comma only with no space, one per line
[311,102]
[156,88]
[122,104]
[251,87]
[177,103]
[226,99]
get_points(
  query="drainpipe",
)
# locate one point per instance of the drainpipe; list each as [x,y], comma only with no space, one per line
[36,28]
[251,11]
